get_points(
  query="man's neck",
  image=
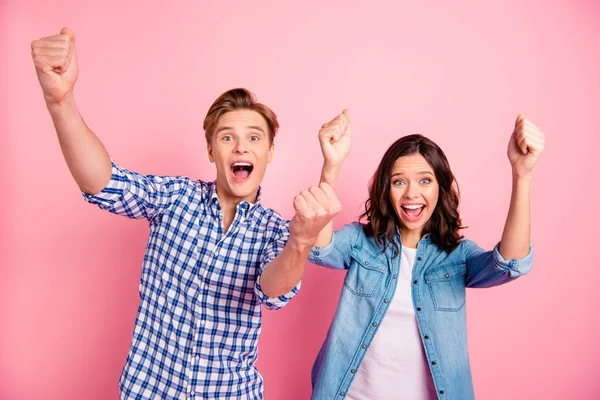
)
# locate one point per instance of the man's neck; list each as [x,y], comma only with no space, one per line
[229,204]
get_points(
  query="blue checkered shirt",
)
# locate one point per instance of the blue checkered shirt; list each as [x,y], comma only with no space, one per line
[199,319]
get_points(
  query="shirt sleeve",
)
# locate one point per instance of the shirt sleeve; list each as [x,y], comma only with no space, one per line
[138,196]
[489,268]
[337,253]
[272,250]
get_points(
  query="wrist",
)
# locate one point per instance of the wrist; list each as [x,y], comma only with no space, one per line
[329,173]
[66,102]
[519,176]
[301,244]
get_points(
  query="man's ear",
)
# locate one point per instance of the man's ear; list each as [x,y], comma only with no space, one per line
[209,150]
[271,150]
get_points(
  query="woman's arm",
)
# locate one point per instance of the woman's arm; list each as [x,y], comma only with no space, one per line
[524,150]
[335,138]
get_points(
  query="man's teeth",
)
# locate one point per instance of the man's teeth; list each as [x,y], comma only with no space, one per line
[413,206]
[242,164]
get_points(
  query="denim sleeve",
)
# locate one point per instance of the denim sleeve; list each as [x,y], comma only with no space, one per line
[337,253]
[271,251]
[138,196]
[489,268]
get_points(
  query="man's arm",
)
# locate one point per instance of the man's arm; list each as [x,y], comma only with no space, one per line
[55,62]
[315,208]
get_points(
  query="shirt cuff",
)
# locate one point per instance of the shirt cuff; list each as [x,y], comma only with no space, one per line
[275,303]
[317,254]
[112,191]
[521,265]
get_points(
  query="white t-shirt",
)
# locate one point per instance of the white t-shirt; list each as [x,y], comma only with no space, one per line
[395,365]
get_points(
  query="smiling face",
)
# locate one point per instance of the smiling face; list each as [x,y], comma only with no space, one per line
[414,193]
[241,148]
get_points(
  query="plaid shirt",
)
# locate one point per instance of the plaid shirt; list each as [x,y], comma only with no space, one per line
[199,319]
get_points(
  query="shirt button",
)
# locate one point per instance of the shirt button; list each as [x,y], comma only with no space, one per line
[364,346]
[415,282]
[202,322]
[395,276]
[447,276]
[193,393]
[433,363]
[197,358]
[419,258]
[426,337]
[418,308]
[342,394]
[374,323]
[385,300]
[441,392]
[366,263]
[352,371]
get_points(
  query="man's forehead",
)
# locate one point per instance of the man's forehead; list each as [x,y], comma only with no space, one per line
[242,119]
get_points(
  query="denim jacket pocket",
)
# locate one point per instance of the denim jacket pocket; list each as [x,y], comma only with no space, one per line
[447,286]
[364,274]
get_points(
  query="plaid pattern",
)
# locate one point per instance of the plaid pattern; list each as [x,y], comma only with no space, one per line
[199,319]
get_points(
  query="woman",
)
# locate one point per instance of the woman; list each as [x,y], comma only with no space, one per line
[399,331]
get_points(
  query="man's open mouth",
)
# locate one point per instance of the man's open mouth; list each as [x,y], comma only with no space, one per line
[241,170]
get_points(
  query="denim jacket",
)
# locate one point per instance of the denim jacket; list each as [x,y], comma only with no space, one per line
[438,293]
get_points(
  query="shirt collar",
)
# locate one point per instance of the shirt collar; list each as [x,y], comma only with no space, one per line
[245,206]
[397,236]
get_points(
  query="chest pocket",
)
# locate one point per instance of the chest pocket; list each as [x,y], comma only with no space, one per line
[364,274]
[447,286]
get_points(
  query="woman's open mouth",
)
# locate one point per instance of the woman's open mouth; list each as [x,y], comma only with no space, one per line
[412,212]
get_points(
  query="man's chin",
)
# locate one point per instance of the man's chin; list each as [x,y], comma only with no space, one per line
[243,190]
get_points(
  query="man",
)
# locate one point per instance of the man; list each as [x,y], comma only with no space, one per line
[214,254]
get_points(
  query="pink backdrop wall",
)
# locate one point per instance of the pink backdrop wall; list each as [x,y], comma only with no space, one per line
[459,72]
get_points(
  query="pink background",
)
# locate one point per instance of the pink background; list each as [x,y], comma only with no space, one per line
[458,72]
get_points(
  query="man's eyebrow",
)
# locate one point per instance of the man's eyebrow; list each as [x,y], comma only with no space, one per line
[229,128]
[258,128]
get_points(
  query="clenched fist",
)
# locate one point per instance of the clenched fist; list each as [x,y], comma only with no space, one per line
[525,146]
[56,65]
[335,138]
[315,208]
